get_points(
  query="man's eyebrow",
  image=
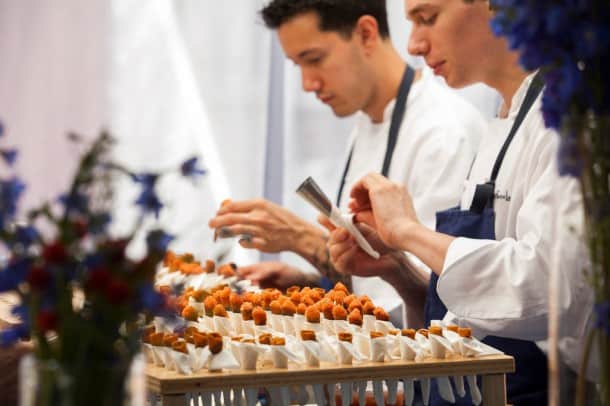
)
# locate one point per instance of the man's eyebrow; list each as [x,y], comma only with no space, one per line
[305,53]
[418,9]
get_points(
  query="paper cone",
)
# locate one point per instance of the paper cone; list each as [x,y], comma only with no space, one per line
[344,355]
[312,353]
[392,385]
[247,327]
[226,397]
[341,326]
[425,390]
[368,323]
[276,323]
[378,349]
[288,325]
[459,385]
[223,326]
[475,393]
[251,396]
[248,355]
[299,322]
[361,393]
[235,322]
[408,391]
[318,394]
[362,342]
[444,389]
[378,392]
[384,326]
[223,360]
[346,393]
[182,362]
[408,348]
[279,358]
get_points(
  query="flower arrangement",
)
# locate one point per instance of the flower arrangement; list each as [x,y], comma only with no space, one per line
[569,41]
[62,251]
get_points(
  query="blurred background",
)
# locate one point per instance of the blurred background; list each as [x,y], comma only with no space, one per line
[172,79]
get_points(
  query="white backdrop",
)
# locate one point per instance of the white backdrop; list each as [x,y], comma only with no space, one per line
[170,79]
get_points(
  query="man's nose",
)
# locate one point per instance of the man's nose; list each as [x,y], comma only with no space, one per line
[310,82]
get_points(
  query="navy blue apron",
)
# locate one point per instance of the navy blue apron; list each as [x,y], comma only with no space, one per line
[528,385]
[397,116]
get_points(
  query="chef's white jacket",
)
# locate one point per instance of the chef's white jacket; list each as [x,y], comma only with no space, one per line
[436,145]
[501,287]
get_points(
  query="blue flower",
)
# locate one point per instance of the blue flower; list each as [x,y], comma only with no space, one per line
[602,316]
[75,202]
[12,334]
[9,156]
[158,240]
[149,201]
[148,180]
[189,168]
[150,298]
[26,235]
[13,274]
[10,192]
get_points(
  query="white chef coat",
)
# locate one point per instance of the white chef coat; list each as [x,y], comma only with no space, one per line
[436,145]
[500,287]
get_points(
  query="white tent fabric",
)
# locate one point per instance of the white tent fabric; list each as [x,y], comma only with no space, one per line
[171,80]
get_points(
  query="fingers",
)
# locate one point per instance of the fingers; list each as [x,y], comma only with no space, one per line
[325,221]
[235,218]
[365,217]
[257,243]
[242,206]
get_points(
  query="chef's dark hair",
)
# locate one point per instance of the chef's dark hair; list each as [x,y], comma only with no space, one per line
[334,15]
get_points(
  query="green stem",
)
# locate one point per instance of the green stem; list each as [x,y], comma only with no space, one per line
[581,385]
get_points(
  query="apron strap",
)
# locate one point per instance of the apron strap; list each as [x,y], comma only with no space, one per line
[397,116]
[484,193]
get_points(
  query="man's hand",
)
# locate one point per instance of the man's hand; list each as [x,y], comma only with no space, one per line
[274,275]
[271,227]
[384,205]
[347,257]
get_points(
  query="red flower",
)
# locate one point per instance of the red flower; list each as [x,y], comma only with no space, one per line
[117,291]
[47,320]
[54,253]
[98,279]
[79,226]
[38,277]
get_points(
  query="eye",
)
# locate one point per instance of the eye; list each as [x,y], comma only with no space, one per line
[313,60]
[427,20]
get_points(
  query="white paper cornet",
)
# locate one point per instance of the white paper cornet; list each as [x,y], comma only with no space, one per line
[288,325]
[475,393]
[276,322]
[378,349]
[368,323]
[444,389]
[439,346]
[459,385]
[341,326]
[392,385]
[299,322]
[425,390]
[362,342]
[251,396]
[346,393]
[361,393]
[471,347]
[408,348]
[384,326]
[182,362]
[223,360]
[318,394]
[408,391]
[247,327]
[223,325]
[236,322]
[378,392]
[248,355]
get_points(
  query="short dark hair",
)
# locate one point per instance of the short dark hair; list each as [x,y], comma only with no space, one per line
[334,15]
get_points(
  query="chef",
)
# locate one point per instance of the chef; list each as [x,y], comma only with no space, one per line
[408,127]
[491,254]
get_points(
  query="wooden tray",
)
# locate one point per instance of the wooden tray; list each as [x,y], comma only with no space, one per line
[172,385]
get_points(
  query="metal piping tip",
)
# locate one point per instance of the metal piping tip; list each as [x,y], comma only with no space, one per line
[311,192]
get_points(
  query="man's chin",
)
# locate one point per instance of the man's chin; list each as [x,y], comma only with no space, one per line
[339,112]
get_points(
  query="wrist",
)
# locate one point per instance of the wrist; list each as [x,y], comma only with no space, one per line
[310,242]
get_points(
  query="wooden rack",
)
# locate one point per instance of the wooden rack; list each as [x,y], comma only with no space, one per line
[172,386]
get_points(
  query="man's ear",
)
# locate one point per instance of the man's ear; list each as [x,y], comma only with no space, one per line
[367,31]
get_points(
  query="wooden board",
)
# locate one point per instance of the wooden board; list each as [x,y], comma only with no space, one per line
[160,380]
